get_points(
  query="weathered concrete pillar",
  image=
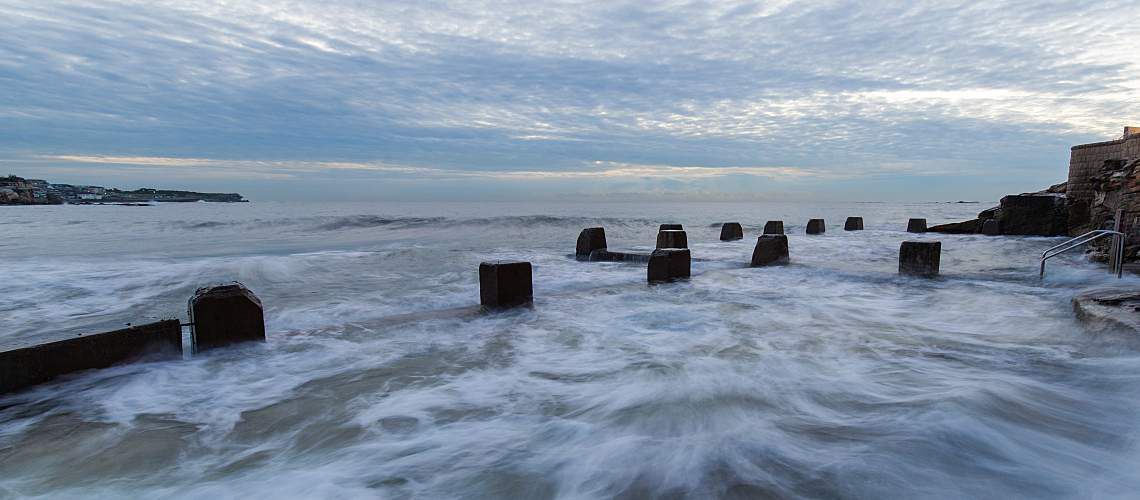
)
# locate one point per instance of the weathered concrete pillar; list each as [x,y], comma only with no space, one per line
[668,264]
[731,231]
[991,227]
[916,226]
[224,315]
[774,227]
[27,365]
[920,258]
[853,224]
[672,238]
[816,226]
[770,249]
[505,284]
[590,240]
[670,227]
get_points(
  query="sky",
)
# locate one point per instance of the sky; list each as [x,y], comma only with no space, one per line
[564,100]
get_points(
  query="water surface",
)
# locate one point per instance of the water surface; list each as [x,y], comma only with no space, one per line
[832,377]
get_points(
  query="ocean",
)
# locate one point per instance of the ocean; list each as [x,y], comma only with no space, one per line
[831,377]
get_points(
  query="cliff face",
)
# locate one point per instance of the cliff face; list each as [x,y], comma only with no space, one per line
[1105,177]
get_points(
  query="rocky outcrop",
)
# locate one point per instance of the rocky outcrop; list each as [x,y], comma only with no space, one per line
[1034,214]
[1109,307]
[965,227]
[1116,187]
[1044,213]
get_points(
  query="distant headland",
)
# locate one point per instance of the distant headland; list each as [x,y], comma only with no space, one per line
[20,191]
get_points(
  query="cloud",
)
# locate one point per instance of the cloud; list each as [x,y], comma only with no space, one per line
[595,170]
[541,91]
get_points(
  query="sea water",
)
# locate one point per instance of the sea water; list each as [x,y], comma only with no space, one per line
[831,377]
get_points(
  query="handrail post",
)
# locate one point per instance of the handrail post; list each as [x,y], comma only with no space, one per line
[1114,250]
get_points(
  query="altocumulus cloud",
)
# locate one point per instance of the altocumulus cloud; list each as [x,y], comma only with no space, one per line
[515,99]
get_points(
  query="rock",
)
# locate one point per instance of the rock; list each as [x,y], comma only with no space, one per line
[770,249]
[920,258]
[731,231]
[967,227]
[668,264]
[1033,214]
[670,227]
[25,366]
[774,227]
[991,228]
[505,284]
[853,224]
[1045,213]
[672,238]
[816,226]
[224,315]
[916,226]
[989,213]
[1109,307]
[590,240]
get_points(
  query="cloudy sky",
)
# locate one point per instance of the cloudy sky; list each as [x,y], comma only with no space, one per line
[472,100]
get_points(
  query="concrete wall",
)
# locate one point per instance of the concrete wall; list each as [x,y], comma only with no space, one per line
[23,366]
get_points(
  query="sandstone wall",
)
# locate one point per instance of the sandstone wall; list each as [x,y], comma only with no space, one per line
[1089,164]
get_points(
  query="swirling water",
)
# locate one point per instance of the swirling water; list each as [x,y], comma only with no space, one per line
[832,377]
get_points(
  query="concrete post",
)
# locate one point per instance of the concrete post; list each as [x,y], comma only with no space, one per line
[774,227]
[28,365]
[731,231]
[505,284]
[816,226]
[920,258]
[590,240]
[668,264]
[991,227]
[770,249]
[853,224]
[670,227]
[672,238]
[916,226]
[224,315]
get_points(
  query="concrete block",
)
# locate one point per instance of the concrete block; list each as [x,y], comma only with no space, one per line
[853,224]
[731,231]
[816,226]
[920,258]
[672,238]
[590,240]
[774,227]
[770,249]
[670,227]
[224,315]
[22,366]
[916,226]
[991,227]
[505,284]
[668,264]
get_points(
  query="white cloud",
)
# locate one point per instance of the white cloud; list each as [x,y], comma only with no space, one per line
[508,86]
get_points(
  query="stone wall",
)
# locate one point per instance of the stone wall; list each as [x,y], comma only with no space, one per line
[1089,164]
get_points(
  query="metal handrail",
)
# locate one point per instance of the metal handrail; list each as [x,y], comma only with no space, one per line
[1117,258]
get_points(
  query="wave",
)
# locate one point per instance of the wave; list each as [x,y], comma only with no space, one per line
[366,221]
